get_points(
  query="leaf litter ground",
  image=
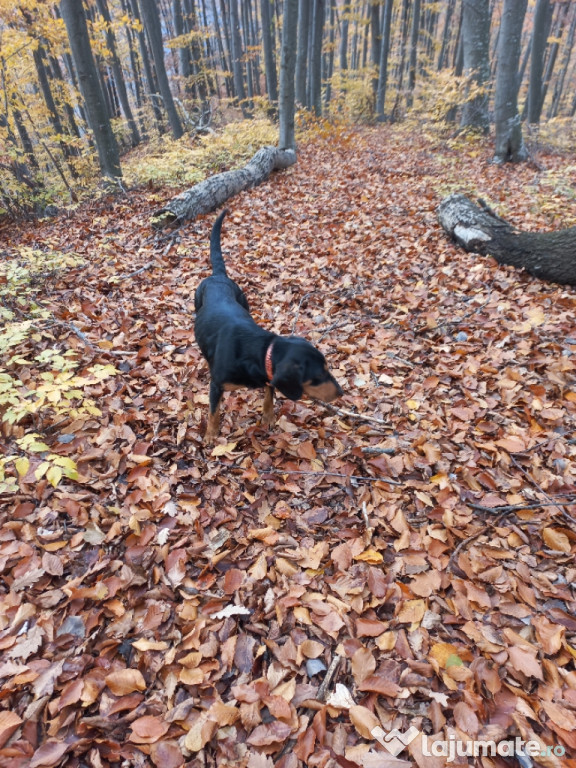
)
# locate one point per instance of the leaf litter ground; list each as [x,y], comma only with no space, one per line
[180,604]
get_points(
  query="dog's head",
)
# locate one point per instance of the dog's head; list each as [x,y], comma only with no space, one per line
[302,370]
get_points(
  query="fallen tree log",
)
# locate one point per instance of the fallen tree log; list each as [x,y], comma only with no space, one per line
[549,256]
[213,192]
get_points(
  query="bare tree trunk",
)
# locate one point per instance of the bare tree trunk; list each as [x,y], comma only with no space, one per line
[118,72]
[476,42]
[304,19]
[287,100]
[75,20]
[383,67]
[269,58]
[509,143]
[549,256]
[542,21]
[316,58]
[151,18]
[213,192]
[413,51]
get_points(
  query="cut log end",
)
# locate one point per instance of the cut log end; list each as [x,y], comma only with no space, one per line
[550,256]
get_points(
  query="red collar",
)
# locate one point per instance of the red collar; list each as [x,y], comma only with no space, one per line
[268,363]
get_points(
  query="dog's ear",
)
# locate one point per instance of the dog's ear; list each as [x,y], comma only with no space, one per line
[288,379]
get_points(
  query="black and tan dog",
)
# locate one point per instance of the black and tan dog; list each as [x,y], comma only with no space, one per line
[241,354]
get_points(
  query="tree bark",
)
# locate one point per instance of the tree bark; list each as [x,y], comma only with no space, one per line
[550,256]
[476,43]
[269,57]
[383,64]
[213,192]
[118,71]
[77,29]
[152,24]
[542,22]
[509,145]
[287,100]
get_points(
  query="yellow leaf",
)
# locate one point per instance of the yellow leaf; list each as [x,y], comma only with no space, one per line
[41,470]
[370,556]
[54,475]
[22,465]
[221,450]
[413,404]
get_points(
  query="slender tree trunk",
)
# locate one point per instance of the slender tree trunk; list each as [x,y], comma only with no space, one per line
[375,43]
[509,145]
[413,51]
[383,64]
[559,86]
[287,99]
[401,66]
[151,19]
[446,34]
[330,59]
[476,42]
[185,69]
[225,61]
[316,59]
[344,37]
[38,55]
[75,20]
[148,72]
[250,86]
[236,42]
[269,57]
[304,21]
[542,21]
[554,48]
[118,72]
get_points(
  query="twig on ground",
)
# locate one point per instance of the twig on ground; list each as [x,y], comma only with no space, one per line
[302,300]
[323,689]
[359,416]
[464,542]
[137,271]
[327,473]
[539,488]
[518,507]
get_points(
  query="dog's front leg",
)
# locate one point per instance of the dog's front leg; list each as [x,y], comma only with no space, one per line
[268,407]
[214,416]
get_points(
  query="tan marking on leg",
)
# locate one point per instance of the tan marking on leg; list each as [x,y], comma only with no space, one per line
[213,428]
[268,407]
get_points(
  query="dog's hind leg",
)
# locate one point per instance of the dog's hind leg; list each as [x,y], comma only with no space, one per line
[214,416]
[268,407]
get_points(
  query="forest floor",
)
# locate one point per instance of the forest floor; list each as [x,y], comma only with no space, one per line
[165,603]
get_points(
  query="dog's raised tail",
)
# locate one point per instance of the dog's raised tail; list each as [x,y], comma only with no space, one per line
[218,266]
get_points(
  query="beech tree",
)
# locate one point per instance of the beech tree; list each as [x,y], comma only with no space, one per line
[75,20]
[286,103]
[509,144]
[151,18]
[475,43]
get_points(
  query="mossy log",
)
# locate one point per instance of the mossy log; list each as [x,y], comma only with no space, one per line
[215,191]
